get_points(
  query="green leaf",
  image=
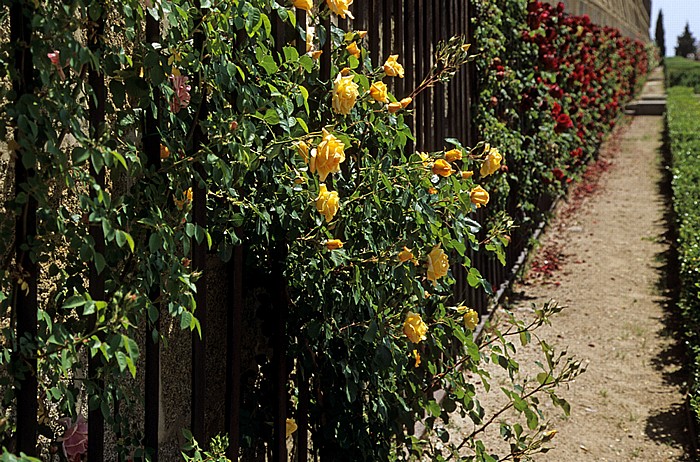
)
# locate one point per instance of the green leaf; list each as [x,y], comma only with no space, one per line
[74,302]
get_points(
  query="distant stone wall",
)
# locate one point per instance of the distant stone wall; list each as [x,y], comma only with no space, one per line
[631,17]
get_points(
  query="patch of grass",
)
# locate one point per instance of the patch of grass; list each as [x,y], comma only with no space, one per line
[682,72]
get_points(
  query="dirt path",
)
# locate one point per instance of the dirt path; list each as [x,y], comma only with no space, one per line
[611,250]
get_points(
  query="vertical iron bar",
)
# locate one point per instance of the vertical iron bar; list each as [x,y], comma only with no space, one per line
[233,365]
[199,249]
[96,109]
[398,47]
[24,304]
[151,143]
[326,48]
[409,49]
[374,34]
[279,354]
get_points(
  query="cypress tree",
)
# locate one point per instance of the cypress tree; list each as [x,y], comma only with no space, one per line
[660,34]
[686,43]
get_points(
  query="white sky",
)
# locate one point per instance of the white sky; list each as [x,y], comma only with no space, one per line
[676,14]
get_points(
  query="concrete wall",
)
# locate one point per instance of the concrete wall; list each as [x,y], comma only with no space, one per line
[631,17]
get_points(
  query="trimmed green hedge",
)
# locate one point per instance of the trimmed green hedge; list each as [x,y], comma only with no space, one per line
[683,122]
[683,72]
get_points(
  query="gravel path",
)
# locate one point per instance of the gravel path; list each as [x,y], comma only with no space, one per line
[614,275]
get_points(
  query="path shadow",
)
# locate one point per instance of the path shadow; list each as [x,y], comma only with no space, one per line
[670,426]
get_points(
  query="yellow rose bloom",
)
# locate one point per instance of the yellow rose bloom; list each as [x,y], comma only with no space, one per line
[394,107]
[327,202]
[344,94]
[303,4]
[164,151]
[328,157]
[334,244]
[353,50]
[340,7]
[405,255]
[471,319]
[393,68]
[414,327]
[186,199]
[479,196]
[442,167]
[316,54]
[453,154]
[467,174]
[378,92]
[406,101]
[361,33]
[492,162]
[438,264]
[303,150]
[416,357]
[466,47]
[291,427]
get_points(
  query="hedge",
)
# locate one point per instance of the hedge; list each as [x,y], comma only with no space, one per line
[682,116]
[683,72]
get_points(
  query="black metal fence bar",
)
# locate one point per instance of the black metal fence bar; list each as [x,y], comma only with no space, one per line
[24,301]
[199,251]
[96,110]
[151,143]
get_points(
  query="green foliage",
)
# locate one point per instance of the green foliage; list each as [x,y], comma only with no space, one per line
[660,34]
[686,43]
[682,72]
[682,116]
[266,104]
[216,452]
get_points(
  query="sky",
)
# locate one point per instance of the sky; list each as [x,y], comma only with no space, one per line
[676,14]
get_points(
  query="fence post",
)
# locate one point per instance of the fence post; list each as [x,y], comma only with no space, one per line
[151,143]
[96,110]
[199,249]
[24,299]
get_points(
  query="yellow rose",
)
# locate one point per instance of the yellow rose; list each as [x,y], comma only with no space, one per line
[334,244]
[361,33]
[164,151]
[414,327]
[316,54]
[471,319]
[394,107]
[438,264]
[378,92]
[340,7]
[303,4]
[186,199]
[406,101]
[416,357]
[479,196]
[344,94]
[405,255]
[327,202]
[467,174]
[492,162]
[353,50]
[466,47]
[393,68]
[453,154]
[291,424]
[442,167]
[303,150]
[328,157]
